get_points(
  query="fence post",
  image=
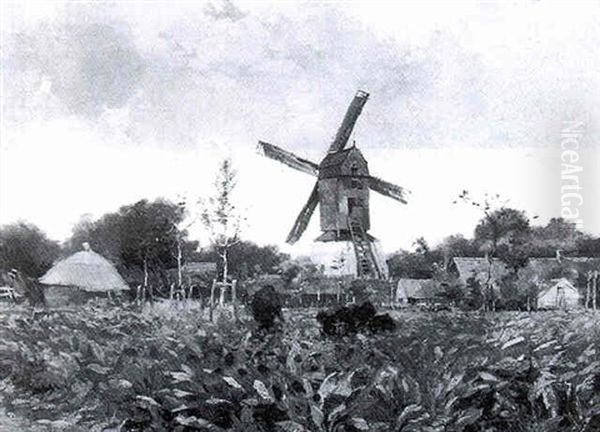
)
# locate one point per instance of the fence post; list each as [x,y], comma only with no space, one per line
[234,299]
[211,305]
[595,288]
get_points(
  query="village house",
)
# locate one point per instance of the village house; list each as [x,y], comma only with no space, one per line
[567,275]
[414,291]
[196,279]
[558,294]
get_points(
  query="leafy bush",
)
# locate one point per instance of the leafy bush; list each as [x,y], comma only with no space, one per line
[132,370]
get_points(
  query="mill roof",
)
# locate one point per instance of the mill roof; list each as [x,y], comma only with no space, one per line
[337,158]
[332,164]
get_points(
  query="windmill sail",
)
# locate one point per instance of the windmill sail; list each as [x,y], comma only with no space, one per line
[304,216]
[288,158]
[388,189]
[354,110]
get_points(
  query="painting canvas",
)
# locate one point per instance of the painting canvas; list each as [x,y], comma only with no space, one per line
[235,215]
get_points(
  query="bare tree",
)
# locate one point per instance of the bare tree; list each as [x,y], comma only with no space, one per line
[222,218]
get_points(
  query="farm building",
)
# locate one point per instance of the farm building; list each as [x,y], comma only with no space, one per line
[321,293]
[557,281]
[196,274]
[414,291]
[81,277]
[198,269]
[479,269]
[536,271]
[558,294]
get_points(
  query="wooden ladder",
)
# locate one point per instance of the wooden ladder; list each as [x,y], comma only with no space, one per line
[366,265]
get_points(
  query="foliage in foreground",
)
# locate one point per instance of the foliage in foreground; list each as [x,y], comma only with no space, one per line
[138,371]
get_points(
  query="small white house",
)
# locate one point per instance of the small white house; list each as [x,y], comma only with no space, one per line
[558,294]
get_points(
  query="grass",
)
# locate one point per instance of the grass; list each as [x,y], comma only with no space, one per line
[159,368]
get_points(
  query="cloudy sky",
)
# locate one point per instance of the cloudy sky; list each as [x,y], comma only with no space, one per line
[107,103]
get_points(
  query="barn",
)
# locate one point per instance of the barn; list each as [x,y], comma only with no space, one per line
[80,277]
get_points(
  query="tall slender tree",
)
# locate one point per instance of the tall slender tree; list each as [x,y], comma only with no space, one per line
[222,218]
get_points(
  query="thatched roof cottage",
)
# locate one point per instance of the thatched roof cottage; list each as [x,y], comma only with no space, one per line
[80,277]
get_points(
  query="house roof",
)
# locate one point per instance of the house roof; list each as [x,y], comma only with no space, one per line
[549,295]
[416,288]
[85,270]
[478,268]
[321,288]
[199,267]
[557,283]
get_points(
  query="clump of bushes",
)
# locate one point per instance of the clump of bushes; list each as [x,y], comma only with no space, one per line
[96,369]
[360,318]
[266,307]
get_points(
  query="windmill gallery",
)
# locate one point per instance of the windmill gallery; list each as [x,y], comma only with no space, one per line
[342,193]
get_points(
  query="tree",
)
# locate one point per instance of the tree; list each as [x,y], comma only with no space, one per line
[456,246]
[221,217]
[104,236]
[188,218]
[557,235]
[501,233]
[588,246]
[449,283]
[139,238]
[299,270]
[474,296]
[247,260]
[25,255]
[24,247]
[416,265]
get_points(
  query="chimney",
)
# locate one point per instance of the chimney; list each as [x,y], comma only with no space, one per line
[558,255]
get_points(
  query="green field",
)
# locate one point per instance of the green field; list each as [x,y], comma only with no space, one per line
[156,369]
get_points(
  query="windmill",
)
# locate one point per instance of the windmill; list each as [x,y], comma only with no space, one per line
[342,192]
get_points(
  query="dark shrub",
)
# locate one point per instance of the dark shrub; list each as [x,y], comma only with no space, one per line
[266,307]
[353,319]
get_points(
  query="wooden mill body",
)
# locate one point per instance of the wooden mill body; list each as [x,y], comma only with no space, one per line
[343,193]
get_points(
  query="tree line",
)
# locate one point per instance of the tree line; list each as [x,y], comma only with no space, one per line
[142,239]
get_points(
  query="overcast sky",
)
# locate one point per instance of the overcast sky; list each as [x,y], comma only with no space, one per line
[107,103]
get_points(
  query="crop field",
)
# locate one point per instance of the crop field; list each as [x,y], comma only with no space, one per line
[127,369]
